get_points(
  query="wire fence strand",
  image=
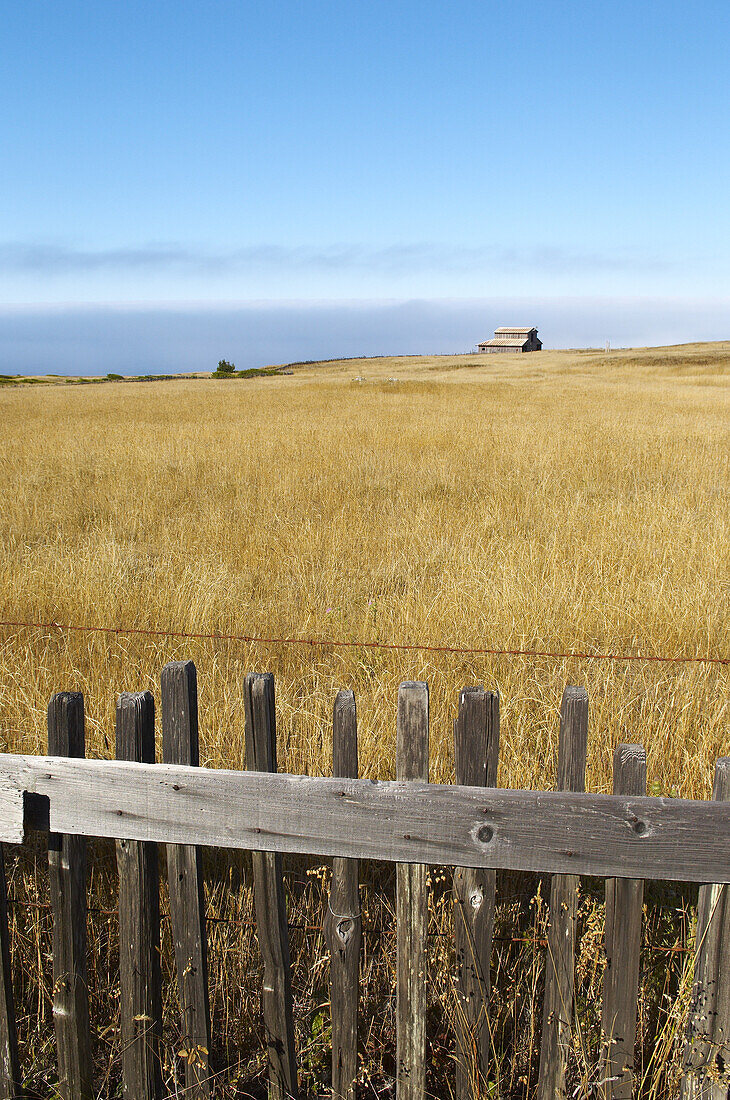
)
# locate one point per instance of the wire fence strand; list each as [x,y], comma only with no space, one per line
[337,643]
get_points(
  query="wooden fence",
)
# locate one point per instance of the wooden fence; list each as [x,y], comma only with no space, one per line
[474,827]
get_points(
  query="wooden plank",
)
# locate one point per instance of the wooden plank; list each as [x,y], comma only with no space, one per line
[557,1020]
[476,755]
[271,923]
[343,924]
[411,908]
[139,920]
[13,811]
[67,883]
[555,832]
[10,1080]
[624,902]
[179,700]
[706,1055]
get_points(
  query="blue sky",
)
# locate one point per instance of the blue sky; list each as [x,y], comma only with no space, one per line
[163,158]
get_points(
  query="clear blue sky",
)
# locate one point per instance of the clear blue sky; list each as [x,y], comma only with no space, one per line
[301,150]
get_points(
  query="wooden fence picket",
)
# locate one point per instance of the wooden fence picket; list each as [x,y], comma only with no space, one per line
[139,921]
[472,826]
[624,904]
[271,922]
[707,1046]
[179,699]
[67,888]
[411,907]
[10,1081]
[343,924]
[476,756]
[557,1020]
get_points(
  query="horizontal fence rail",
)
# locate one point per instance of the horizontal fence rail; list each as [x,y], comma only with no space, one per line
[559,832]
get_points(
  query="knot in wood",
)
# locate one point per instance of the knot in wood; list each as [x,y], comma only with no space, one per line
[344,928]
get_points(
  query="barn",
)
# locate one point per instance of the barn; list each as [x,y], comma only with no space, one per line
[513,338]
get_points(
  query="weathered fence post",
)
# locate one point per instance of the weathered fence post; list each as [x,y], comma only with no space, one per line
[624,902]
[559,963]
[343,925]
[67,882]
[271,923]
[707,1047]
[185,882]
[411,907]
[10,1084]
[476,755]
[139,921]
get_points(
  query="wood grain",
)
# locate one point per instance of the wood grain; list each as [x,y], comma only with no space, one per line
[179,698]
[706,1055]
[271,922]
[411,911]
[67,889]
[557,1019]
[343,923]
[624,902]
[139,921]
[476,756]
[10,1080]
[556,832]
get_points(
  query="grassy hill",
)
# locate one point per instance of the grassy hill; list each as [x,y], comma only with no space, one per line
[563,501]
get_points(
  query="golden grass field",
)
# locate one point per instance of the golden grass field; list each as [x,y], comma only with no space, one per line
[562,501]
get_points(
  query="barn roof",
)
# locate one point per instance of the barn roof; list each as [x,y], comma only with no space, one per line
[504,341]
[516,328]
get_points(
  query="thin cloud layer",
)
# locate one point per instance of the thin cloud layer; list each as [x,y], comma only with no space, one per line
[52,260]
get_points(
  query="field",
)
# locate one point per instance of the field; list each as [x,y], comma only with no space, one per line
[567,501]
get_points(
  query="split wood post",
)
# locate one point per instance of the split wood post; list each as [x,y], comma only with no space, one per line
[559,962]
[271,923]
[624,903]
[67,882]
[707,1045]
[343,924]
[139,921]
[411,907]
[476,753]
[185,882]
[10,1083]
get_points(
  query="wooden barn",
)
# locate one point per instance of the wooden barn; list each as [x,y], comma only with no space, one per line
[513,338]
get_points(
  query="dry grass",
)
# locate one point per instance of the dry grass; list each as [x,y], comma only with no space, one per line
[571,500]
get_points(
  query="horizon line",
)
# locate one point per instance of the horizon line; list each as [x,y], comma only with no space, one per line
[173,304]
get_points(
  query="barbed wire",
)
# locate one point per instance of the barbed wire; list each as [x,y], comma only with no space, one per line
[336,643]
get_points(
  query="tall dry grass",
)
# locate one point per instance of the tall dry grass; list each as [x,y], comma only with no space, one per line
[566,501]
